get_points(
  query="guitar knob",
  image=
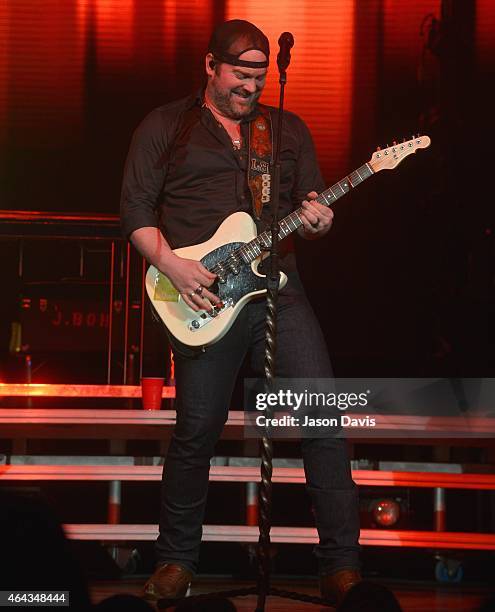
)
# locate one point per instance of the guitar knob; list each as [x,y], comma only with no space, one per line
[195,323]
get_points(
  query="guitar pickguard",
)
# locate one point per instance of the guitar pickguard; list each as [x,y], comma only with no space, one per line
[236,286]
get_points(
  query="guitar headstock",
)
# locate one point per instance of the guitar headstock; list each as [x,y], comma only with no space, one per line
[389,158]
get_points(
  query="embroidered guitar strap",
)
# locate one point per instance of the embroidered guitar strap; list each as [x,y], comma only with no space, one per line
[260,159]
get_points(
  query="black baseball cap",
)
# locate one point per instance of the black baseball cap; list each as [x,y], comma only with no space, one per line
[233,38]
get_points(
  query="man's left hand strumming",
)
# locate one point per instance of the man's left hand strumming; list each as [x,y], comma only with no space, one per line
[317,218]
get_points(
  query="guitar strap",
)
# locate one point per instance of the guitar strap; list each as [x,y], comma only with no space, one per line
[260,146]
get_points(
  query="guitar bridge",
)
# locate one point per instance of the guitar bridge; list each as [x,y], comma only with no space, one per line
[205,316]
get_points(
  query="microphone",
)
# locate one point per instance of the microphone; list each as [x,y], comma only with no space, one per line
[286,42]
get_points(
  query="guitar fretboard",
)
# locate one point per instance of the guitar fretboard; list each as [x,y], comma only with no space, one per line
[249,251]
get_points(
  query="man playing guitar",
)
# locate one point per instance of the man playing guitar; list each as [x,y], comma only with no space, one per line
[187,170]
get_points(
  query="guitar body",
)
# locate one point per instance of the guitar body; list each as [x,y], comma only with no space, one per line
[200,328]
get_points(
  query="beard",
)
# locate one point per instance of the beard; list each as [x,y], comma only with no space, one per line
[235,103]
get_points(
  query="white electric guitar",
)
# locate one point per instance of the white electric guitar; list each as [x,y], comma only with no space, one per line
[234,252]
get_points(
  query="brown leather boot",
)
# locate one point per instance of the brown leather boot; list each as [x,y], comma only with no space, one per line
[169,581]
[334,586]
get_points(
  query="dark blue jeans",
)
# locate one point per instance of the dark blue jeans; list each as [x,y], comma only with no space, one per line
[205,382]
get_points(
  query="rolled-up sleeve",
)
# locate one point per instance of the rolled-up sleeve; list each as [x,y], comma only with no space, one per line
[144,175]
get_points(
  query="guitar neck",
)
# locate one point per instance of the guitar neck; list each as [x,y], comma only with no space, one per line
[293,221]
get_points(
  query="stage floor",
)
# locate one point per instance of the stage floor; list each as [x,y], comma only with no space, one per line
[418,596]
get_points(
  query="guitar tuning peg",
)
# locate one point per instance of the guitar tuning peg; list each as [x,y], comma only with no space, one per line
[378,148]
[403,140]
[387,146]
[394,142]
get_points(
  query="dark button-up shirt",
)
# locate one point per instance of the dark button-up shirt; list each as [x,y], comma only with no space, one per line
[189,190]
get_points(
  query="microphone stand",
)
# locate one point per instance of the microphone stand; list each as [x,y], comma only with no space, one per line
[286,41]
[272,284]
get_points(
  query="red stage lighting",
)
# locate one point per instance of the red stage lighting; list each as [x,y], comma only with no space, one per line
[385,512]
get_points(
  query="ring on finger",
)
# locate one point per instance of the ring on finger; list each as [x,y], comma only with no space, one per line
[199,290]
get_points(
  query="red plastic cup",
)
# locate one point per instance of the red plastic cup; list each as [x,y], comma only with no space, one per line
[151,390]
